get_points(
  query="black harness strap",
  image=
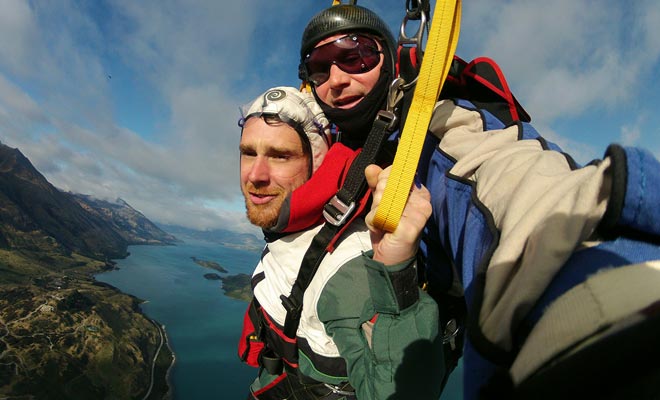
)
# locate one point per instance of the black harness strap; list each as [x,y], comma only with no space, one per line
[339,212]
[355,185]
[308,267]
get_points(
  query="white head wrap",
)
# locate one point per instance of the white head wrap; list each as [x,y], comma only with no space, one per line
[299,110]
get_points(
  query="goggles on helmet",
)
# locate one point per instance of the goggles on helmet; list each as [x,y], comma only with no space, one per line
[353,54]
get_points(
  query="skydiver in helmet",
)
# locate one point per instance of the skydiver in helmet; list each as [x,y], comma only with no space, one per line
[347,55]
[517,226]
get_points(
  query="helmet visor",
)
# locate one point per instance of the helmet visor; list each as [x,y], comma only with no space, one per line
[353,54]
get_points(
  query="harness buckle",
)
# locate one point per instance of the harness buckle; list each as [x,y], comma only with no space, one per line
[336,212]
[337,390]
[450,333]
[292,309]
[388,117]
[394,96]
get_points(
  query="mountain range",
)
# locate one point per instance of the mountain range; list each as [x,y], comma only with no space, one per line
[35,215]
[62,334]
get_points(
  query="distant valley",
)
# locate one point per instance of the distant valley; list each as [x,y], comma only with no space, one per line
[225,237]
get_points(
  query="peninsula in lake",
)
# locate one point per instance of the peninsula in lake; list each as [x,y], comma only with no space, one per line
[237,286]
[64,335]
[209,264]
[234,286]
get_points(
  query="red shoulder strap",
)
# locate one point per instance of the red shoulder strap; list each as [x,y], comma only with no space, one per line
[307,201]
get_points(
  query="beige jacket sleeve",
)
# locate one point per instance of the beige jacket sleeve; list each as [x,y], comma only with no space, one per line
[542,208]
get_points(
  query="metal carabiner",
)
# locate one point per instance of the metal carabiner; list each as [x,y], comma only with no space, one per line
[395,93]
[450,333]
[417,39]
[336,390]
[394,96]
[420,6]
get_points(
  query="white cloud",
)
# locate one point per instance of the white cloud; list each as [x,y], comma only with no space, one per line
[18,109]
[18,35]
[568,60]
[61,113]
[631,134]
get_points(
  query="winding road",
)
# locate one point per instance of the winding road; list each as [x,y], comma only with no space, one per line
[153,362]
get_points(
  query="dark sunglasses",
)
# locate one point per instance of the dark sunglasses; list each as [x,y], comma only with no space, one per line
[353,54]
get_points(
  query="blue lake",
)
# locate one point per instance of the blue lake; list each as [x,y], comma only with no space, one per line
[202,324]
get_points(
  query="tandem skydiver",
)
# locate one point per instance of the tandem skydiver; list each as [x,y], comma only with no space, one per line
[518,228]
[366,330]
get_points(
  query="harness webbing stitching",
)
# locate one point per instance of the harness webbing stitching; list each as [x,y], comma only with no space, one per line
[442,42]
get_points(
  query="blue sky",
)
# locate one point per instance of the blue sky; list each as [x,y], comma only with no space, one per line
[139,99]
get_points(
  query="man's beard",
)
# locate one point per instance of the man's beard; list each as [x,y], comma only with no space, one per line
[264,215]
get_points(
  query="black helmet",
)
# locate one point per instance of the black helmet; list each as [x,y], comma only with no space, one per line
[345,18]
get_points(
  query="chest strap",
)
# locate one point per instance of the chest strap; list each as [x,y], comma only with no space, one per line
[349,203]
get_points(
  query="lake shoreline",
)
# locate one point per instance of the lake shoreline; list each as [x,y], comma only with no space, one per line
[166,377]
[202,324]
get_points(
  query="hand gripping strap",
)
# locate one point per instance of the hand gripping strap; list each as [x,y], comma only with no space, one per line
[438,57]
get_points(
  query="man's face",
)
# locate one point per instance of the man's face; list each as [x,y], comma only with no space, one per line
[273,164]
[345,90]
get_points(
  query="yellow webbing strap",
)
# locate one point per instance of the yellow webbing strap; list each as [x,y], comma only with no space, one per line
[438,56]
